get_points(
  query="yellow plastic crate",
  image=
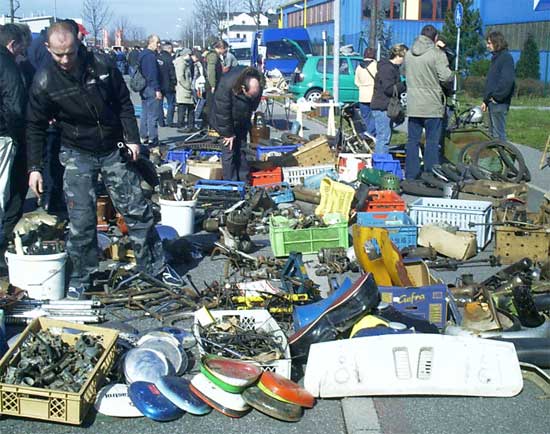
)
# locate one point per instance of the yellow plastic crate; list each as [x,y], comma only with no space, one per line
[57,405]
[335,198]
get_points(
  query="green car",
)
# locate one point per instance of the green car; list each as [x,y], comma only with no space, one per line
[307,80]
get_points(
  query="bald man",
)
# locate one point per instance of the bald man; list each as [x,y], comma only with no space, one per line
[237,96]
[91,103]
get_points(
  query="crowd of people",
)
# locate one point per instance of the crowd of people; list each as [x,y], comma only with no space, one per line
[424,74]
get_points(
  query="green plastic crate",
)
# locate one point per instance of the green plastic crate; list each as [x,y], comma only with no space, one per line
[284,239]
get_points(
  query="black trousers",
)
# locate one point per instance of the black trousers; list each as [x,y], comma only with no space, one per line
[234,164]
[19,186]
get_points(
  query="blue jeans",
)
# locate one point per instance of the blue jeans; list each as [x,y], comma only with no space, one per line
[148,122]
[497,120]
[171,103]
[383,131]
[366,113]
[432,149]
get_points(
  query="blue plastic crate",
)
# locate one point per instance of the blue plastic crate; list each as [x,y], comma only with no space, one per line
[280,192]
[182,155]
[426,302]
[221,186]
[386,163]
[401,228]
[274,150]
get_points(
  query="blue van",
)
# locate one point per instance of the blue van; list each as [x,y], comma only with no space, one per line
[275,49]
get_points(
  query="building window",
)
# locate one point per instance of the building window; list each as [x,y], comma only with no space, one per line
[392,9]
[317,14]
[435,9]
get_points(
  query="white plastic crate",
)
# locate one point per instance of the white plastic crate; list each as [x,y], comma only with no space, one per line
[295,175]
[254,319]
[455,212]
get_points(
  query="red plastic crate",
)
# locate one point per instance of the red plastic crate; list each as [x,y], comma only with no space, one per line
[268,176]
[384,200]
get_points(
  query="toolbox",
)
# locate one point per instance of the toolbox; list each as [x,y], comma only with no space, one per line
[267,176]
[514,243]
[384,201]
[285,239]
[402,230]
[57,405]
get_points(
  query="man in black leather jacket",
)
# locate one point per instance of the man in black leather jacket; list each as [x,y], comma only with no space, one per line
[12,123]
[87,96]
[237,96]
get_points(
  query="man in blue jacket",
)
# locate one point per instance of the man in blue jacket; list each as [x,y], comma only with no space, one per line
[151,95]
[499,85]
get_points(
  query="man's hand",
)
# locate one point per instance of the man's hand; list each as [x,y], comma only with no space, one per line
[134,149]
[36,183]
[440,44]
[483,107]
[158,95]
[228,141]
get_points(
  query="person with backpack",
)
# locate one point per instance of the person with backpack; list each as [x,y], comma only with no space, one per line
[364,80]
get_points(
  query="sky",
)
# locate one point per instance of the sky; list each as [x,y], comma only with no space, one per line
[155,16]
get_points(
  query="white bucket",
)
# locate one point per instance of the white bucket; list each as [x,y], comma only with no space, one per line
[42,276]
[180,214]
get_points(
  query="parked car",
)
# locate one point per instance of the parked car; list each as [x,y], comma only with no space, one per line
[281,49]
[307,80]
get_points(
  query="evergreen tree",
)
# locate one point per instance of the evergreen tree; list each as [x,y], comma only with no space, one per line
[529,62]
[472,43]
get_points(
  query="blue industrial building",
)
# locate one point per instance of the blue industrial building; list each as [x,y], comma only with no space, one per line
[514,18]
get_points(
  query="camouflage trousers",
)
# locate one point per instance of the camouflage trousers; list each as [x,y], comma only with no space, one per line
[123,184]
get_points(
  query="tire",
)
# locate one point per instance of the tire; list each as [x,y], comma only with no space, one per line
[313,95]
[418,188]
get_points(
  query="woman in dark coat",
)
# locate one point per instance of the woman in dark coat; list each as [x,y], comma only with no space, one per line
[386,78]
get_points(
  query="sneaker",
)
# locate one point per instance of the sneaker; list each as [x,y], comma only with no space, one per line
[76,293]
[169,276]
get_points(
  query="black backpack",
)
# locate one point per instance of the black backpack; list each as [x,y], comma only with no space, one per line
[137,81]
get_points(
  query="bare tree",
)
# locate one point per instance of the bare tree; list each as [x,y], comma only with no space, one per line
[122,23]
[212,13]
[256,8]
[97,14]
[135,35]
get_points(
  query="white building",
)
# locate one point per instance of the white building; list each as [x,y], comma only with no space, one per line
[241,26]
[36,24]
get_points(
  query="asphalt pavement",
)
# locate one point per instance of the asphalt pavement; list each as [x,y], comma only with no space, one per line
[524,413]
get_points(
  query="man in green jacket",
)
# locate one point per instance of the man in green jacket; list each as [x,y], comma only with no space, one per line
[214,70]
[427,71]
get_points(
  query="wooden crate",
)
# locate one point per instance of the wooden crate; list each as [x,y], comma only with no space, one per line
[513,244]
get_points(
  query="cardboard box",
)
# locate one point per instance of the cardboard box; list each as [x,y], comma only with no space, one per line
[459,245]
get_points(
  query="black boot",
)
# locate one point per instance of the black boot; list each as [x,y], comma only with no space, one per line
[338,317]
